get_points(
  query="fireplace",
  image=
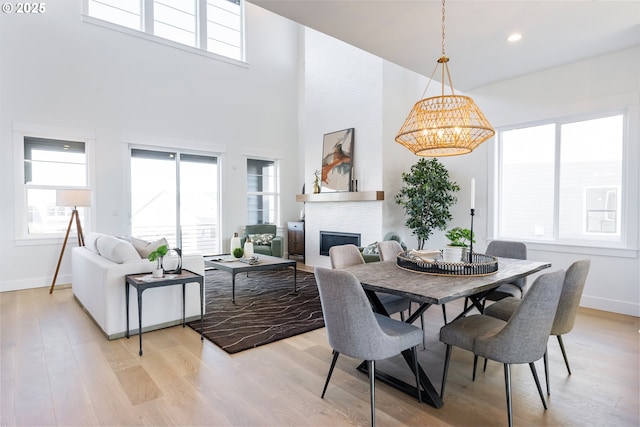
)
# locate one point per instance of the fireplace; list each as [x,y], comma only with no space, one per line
[334,238]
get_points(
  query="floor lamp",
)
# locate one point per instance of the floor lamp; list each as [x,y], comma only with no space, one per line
[73,198]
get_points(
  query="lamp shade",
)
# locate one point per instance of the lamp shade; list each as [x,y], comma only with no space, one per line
[74,197]
[446,125]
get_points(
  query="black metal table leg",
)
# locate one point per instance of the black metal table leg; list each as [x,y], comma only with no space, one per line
[183,310]
[201,309]
[233,288]
[126,293]
[140,319]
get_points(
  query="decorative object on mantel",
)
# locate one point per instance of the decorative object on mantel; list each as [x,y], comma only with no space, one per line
[445,125]
[157,256]
[426,196]
[316,182]
[75,198]
[481,265]
[354,180]
[337,154]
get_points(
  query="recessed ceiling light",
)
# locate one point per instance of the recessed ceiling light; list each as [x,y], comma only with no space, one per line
[514,37]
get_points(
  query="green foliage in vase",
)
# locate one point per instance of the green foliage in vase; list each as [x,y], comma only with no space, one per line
[426,196]
[460,237]
[158,254]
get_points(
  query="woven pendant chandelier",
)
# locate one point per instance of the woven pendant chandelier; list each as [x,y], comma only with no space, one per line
[445,125]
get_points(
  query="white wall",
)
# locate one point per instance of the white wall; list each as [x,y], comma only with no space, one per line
[343,89]
[61,73]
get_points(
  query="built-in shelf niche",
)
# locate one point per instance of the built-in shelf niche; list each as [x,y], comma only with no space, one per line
[342,196]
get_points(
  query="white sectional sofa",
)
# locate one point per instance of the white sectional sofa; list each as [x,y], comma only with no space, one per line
[98,283]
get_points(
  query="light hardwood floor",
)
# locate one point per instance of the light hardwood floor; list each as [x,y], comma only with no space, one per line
[58,369]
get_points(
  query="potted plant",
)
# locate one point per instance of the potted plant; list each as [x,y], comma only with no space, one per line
[459,240]
[426,196]
[157,255]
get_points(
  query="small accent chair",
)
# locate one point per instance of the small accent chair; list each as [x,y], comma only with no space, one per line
[265,240]
[355,330]
[347,255]
[565,317]
[523,339]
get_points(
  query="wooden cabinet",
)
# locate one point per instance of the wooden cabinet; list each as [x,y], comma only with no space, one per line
[295,234]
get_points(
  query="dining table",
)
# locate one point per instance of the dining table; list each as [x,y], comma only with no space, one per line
[427,290]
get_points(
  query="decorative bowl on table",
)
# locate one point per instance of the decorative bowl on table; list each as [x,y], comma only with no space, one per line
[429,262]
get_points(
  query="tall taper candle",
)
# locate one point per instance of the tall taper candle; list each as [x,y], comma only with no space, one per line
[473,193]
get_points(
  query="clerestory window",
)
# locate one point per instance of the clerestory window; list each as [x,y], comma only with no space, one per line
[215,26]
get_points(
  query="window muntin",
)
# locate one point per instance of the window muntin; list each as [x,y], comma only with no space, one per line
[51,165]
[562,181]
[215,26]
[262,192]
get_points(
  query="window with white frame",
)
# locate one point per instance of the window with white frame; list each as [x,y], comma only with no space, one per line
[562,181]
[263,196]
[51,165]
[215,26]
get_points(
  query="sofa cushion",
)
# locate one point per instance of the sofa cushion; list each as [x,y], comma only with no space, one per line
[91,241]
[145,247]
[261,239]
[117,250]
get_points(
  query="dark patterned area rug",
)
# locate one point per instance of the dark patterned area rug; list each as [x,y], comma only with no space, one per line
[266,309]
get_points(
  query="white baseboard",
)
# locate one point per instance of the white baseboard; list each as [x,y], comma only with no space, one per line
[614,306]
[33,283]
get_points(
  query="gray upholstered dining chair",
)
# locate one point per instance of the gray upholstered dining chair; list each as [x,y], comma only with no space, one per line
[522,339]
[565,317]
[506,249]
[342,256]
[389,250]
[353,329]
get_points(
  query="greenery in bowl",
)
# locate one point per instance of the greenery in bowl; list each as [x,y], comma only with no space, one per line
[238,252]
[459,237]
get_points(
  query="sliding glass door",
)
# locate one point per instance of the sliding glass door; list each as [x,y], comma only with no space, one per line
[175,195]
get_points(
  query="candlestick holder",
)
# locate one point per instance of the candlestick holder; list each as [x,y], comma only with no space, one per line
[470,255]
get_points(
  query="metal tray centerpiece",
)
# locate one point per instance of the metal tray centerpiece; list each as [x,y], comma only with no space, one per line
[431,262]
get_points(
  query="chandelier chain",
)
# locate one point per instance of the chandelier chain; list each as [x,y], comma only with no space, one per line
[443,27]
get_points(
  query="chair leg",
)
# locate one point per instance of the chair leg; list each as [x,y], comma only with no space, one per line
[444,313]
[507,385]
[414,350]
[333,365]
[545,358]
[535,377]
[475,364]
[447,359]
[402,316]
[484,368]
[372,390]
[424,340]
[564,353]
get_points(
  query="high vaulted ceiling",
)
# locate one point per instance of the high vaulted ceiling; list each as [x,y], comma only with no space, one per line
[409,33]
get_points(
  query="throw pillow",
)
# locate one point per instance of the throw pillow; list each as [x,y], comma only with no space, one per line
[261,239]
[371,249]
[145,247]
[116,250]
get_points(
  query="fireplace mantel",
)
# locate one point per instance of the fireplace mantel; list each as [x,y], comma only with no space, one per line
[342,196]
